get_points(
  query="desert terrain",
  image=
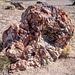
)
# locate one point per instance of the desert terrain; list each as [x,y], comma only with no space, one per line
[63,66]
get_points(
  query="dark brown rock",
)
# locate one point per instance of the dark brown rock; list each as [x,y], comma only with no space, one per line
[18,5]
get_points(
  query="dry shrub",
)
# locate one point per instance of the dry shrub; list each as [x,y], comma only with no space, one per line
[4,60]
[67,51]
[4,63]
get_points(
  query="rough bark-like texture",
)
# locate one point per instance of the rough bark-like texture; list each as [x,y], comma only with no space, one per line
[39,39]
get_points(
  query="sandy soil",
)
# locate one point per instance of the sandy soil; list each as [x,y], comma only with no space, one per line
[63,66]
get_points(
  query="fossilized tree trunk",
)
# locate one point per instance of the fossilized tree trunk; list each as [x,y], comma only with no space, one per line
[40,37]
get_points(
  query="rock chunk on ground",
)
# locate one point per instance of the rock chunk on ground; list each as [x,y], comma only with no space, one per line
[11,7]
[15,5]
[40,37]
[18,5]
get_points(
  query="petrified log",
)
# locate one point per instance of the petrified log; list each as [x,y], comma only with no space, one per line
[10,7]
[18,5]
[40,37]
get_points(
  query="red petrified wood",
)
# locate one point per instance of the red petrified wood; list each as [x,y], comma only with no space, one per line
[40,37]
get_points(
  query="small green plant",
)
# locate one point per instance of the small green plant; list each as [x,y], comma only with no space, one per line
[4,63]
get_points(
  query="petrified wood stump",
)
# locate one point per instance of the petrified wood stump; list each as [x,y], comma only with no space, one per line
[40,37]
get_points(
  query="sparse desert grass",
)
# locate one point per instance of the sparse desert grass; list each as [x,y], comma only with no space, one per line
[4,63]
[67,51]
[4,60]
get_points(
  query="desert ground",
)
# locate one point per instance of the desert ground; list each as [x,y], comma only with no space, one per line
[63,66]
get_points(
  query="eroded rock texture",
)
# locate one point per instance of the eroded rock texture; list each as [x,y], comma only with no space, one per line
[40,37]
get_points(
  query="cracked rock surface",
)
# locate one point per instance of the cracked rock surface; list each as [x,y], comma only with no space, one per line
[39,39]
